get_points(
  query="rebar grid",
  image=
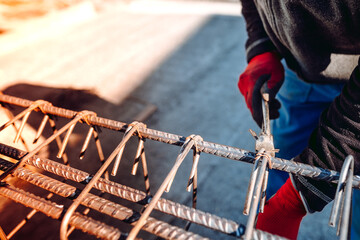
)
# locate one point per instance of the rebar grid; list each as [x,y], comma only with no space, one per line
[203,146]
[139,221]
[117,211]
[125,192]
[102,205]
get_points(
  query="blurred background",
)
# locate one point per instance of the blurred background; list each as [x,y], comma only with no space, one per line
[173,64]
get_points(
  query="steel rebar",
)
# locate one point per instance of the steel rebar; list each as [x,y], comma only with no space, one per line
[191,141]
[103,205]
[53,210]
[255,199]
[203,146]
[2,234]
[343,197]
[125,192]
[89,186]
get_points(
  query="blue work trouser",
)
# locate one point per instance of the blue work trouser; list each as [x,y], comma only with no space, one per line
[301,106]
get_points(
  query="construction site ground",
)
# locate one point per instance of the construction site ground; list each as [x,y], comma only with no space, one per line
[125,59]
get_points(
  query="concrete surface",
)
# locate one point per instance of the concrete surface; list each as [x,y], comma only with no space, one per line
[183,57]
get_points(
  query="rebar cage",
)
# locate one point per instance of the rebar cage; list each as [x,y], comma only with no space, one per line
[90,200]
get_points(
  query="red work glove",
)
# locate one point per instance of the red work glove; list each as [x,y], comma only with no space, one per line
[263,68]
[282,213]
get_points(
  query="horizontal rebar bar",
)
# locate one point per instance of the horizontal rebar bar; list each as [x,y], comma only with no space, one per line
[154,226]
[55,211]
[134,195]
[202,146]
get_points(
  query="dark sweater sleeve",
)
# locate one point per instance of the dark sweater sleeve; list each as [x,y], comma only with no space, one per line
[258,41]
[337,136]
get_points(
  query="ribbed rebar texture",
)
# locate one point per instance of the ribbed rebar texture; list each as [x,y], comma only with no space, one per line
[166,206]
[53,210]
[45,182]
[169,231]
[17,195]
[154,226]
[93,227]
[105,206]
[203,146]
[197,216]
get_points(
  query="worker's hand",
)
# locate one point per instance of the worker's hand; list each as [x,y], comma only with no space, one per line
[264,74]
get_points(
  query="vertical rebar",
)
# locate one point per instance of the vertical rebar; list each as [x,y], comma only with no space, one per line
[98,144]
[11,116]
[189,143]
[220,150]
[192,182]
[345,218]
[133,195]
[263,191]
[342,199]
[21,163]
[99,149]
[58,139]
[41,128]
[193,172]
[250,190]
[89,186]
[86,142]
[66,139]
[22,125]
[2,234]
[255,200]
[145,173]
[133,127]
[140,155]
[139,150]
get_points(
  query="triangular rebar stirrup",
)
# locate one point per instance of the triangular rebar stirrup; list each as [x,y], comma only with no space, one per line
[343,198]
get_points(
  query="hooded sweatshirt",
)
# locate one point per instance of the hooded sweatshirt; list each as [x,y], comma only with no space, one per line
[320,41]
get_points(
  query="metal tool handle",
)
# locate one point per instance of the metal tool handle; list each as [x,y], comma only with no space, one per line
[266,114]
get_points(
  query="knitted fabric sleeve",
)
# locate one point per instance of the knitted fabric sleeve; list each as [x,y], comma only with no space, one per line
[258,41]
[337,135]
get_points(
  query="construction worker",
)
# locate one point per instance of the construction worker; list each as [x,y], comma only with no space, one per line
[304,54]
